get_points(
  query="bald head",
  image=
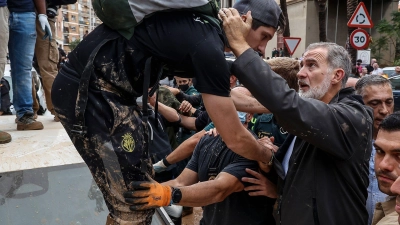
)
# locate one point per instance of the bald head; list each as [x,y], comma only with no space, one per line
[351,82]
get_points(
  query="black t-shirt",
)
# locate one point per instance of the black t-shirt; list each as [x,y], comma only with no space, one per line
[210,157]
[202,121]
[21,5]
[187,42]
[182,40]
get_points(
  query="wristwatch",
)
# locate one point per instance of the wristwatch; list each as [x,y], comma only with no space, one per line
[176,195]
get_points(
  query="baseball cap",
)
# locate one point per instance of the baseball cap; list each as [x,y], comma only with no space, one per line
[266,11]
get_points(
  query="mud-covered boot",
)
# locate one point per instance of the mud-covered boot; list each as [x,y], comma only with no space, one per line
[34,117]
[27,122]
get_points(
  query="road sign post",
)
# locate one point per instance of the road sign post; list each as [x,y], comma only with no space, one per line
[365,56]
[359,39]
[360,18]
[291,44]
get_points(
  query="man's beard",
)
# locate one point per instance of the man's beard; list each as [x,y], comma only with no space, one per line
[316,92]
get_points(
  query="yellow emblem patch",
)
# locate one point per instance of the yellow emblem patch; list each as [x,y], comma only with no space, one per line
[128,143]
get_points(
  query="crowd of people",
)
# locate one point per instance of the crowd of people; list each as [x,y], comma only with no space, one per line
[277,53]
[372,69]
[252,141]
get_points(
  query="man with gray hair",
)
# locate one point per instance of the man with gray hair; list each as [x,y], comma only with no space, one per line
[322,171]
[376,92]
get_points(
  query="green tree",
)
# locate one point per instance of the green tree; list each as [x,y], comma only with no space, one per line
[389,35]
[73,44]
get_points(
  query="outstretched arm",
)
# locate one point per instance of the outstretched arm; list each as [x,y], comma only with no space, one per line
[186,178]
[150,194]
[223,113]
[182,152]
[209,192]
[297,115]
[170,114]
[188,122]
[244,103]
[193,99]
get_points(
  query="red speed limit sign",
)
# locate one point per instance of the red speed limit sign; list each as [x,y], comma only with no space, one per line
[359,39]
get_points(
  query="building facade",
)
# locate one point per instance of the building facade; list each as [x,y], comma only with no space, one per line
[77,20]
[303,20]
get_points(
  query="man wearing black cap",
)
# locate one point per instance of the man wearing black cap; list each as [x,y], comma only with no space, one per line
[106,72]
[322,166]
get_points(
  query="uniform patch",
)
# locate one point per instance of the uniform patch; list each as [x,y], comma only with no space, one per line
[128,143]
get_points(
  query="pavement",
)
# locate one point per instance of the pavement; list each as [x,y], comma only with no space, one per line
[194,218]
[36,148]
[50,152]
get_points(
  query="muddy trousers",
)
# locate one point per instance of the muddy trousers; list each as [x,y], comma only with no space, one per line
[111,148]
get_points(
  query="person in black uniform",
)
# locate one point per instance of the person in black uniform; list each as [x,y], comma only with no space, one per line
[213,179]
[95,93]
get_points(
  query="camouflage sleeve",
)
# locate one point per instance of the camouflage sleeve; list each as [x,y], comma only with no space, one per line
[166,97]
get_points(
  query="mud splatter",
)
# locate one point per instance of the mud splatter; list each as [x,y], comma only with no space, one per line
[345,127]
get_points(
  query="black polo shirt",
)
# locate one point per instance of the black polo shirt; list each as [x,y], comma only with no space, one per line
[210,157]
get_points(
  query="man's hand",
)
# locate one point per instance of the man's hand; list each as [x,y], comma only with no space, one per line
[261,185]
[267,143]
[152,99]
[148,195]
[236,28]
[185,107]
[44,24]
[174,91]
[159,167]
[212,132]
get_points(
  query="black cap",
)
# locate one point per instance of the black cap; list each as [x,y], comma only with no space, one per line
[266,11]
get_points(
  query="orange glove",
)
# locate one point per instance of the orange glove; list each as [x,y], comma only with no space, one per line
[147,195]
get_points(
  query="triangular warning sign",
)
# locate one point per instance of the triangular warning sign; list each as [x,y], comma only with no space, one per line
[291,43]
[360,18]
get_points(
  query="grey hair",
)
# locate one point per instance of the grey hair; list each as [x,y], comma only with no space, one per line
[337,57]
[370,80]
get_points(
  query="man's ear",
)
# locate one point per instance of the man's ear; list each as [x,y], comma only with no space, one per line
[244,17]
[249,116]
[338,76]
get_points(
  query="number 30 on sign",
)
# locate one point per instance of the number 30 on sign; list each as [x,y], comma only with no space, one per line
[359,39]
